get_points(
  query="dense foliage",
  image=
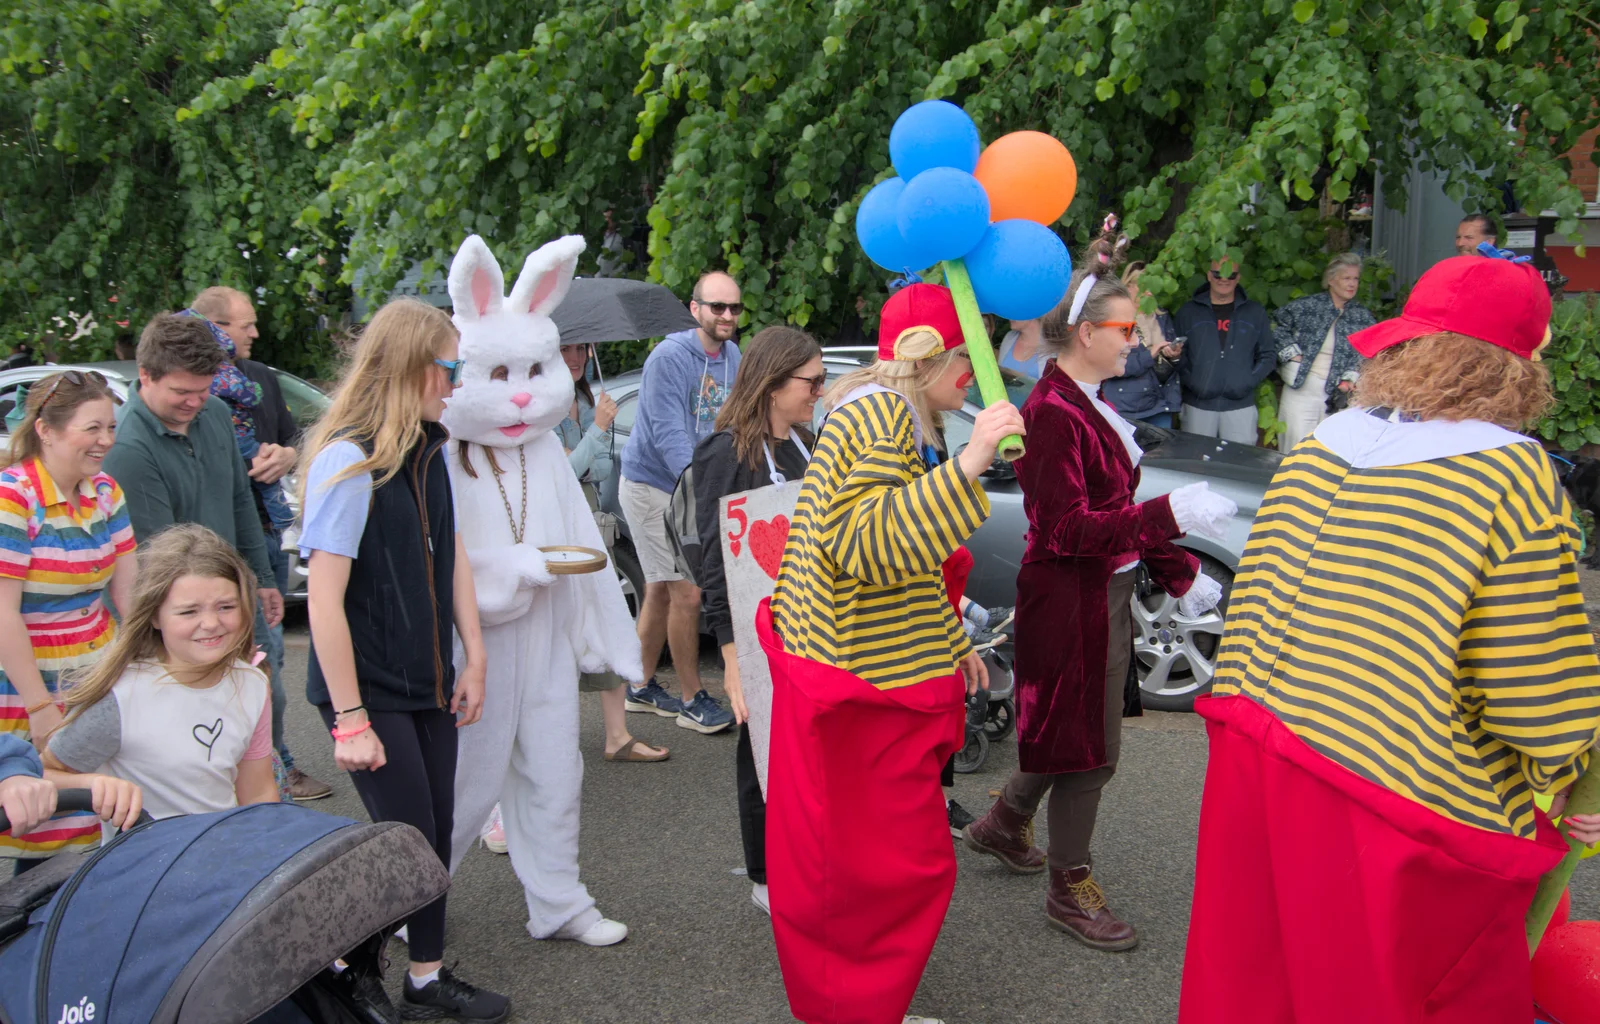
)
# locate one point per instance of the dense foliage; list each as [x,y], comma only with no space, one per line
[1574,360]
[111,209]
[148,140]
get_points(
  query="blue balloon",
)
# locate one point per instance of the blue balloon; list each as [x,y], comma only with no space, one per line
[879,232]
[933,133]
[1019,270]
[943,212]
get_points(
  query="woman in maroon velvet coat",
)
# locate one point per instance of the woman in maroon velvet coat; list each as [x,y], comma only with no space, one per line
[1074,626]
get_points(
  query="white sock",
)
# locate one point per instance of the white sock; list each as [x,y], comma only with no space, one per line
[423,980]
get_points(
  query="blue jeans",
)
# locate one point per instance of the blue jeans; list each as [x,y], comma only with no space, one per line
[1157,419]
[270,639]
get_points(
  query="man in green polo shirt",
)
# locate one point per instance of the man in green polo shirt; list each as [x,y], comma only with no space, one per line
[175,455]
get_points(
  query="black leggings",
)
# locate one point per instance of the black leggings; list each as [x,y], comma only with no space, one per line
[752,810]
[416,786]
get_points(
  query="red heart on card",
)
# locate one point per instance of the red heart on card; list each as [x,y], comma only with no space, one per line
[767,538]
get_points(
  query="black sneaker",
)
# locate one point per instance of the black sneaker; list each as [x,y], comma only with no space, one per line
[959,818]
[361,993]
[1000,617]
[449,998]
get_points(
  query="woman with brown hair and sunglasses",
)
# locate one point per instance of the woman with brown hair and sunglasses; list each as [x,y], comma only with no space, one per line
[1074,623]
[763,438]
[65,539]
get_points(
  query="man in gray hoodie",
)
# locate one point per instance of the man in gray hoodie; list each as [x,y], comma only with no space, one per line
[685,381]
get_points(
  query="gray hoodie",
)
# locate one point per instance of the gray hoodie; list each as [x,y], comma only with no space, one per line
[680,393]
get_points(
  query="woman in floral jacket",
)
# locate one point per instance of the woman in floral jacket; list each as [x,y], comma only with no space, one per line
[1314,357]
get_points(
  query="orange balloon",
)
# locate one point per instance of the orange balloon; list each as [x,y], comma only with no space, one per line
[1028,175]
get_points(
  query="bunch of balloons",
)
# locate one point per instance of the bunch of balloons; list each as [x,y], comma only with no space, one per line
[990,208]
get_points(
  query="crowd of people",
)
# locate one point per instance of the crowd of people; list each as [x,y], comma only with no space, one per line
[1406,662]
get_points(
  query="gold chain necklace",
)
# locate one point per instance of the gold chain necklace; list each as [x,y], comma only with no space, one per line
[517,532]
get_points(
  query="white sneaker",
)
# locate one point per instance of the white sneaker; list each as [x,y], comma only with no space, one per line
[494,833]
[403,936]
[758,896]
[912,1018]
[604,932]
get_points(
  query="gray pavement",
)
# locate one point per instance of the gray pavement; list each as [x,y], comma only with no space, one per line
[660,846]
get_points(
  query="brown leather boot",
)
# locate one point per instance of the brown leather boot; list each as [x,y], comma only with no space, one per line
[1006,836]
[1077,906]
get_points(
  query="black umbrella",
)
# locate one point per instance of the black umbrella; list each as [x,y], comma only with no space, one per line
[601,309]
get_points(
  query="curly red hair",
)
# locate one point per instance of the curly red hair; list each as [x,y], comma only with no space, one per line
[1450,376]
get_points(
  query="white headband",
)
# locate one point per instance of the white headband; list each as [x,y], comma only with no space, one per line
[1080,297]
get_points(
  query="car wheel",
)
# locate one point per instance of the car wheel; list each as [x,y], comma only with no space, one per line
[630,575]
[1175,656]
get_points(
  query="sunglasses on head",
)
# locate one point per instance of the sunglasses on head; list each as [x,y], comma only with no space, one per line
[817,383]
[1220,276]
[719,308]
[453,368]
[78,379]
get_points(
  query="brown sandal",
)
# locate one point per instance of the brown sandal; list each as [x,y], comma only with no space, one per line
[631,752]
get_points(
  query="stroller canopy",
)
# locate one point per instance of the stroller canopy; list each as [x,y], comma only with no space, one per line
[212,917]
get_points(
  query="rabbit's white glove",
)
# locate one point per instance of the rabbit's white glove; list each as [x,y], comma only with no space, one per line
[1198,510]
[531,566]
[1202,596]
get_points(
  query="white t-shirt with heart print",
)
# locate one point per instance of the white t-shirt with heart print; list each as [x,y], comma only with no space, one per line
[181,744]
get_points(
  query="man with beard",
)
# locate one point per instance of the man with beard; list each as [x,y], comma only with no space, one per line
[685,381]
[1473,231]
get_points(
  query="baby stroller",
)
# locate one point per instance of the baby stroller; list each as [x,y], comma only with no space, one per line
[991,714]
[217,918]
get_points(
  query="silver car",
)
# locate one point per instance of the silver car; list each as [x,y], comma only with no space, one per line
[304,400]
[1173,653]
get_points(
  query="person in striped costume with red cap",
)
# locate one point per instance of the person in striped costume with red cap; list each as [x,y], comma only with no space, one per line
[1407,663]
[870,668]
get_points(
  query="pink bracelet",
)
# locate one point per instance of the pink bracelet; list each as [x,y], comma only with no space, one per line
[349,734]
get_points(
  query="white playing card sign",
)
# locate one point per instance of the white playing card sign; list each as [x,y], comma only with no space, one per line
[755,525]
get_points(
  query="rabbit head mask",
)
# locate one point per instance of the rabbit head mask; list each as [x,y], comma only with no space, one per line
[514,384]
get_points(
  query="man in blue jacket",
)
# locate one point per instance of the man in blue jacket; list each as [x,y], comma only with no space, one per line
[1227,354]
[686,379]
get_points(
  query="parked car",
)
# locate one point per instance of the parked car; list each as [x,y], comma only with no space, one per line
[1173,654]
[305,401]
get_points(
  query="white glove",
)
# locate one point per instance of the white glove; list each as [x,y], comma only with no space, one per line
[1202,596]
[1197,510]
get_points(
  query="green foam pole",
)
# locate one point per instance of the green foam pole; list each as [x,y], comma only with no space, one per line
[1584,799]
[980,349]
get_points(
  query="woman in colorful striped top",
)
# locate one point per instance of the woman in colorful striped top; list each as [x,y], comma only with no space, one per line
[869,666]
[1406,664]
[65,539]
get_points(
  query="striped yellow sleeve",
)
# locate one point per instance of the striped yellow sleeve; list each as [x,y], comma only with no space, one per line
[1526,661]
[892,524]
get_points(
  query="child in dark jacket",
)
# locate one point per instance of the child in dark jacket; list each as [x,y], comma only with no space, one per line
[242,395]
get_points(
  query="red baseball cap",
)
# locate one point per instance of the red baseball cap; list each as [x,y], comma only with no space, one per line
[915,309]
[1493,300]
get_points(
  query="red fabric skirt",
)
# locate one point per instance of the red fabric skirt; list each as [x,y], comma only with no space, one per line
[860,866]
[1323,898]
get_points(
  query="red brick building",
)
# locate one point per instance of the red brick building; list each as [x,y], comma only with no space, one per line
[1583,273]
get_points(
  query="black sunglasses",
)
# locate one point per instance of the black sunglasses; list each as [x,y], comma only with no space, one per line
[719,308]
[1220,276]
[78,379]
[817,383]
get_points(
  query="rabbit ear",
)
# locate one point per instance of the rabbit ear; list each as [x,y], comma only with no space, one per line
[546,276]
[477,288]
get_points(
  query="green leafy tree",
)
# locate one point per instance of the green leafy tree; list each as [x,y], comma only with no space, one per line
[745,132]
[112,209]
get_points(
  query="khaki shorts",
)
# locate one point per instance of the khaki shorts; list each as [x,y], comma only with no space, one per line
[645,509]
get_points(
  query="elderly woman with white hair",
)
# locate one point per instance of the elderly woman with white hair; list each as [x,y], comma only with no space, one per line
[1314,355]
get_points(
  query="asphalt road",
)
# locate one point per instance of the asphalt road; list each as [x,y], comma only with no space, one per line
[660,847]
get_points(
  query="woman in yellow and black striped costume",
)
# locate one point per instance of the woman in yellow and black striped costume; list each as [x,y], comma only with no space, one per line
[869,671]
[1407,662]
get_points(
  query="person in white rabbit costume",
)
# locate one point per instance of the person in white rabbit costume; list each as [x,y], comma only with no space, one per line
[515,492]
